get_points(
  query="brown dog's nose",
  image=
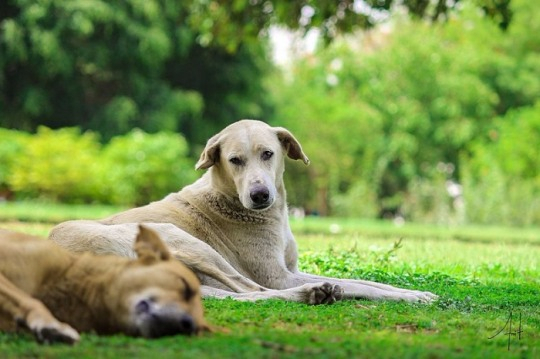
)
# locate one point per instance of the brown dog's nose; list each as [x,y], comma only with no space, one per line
[187,325]
[259,195]
[159,321]
[176,325]
[171,324]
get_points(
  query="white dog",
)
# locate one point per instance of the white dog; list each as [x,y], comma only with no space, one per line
[231,226]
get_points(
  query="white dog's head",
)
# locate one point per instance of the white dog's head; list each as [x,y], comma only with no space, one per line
[247,160]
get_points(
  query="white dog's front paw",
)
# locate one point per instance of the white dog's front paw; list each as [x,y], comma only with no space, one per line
[323,293]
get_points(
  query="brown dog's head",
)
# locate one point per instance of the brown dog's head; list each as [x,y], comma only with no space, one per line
[157,295]
[247,158]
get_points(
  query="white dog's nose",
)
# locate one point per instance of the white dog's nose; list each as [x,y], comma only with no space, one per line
[259,195]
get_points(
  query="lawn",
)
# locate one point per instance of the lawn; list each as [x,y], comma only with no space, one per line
[488,278]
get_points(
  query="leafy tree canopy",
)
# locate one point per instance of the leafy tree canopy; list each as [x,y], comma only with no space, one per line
[112,66]
[381,111]
[230,22]
[190,66]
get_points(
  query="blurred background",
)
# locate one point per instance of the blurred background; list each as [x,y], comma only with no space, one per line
[411,110]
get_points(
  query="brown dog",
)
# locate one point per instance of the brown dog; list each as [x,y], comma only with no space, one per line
[55,293]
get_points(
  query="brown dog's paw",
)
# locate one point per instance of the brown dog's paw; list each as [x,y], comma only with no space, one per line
[57,334]
[50,330]
[325,293]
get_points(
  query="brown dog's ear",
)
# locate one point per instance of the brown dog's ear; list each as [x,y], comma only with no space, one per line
[149,247]
[210,154]
[291,145]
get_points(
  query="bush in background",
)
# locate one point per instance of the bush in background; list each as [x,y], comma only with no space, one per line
[139,167]
[359,201]
[501,179]
[69,166]
[379,112]
[12,144]
[435,198]
[58,165]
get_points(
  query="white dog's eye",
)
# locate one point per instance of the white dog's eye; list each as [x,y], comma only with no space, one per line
[266,155]
[236,161]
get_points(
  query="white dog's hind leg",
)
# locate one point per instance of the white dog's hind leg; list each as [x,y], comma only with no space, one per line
[214,266]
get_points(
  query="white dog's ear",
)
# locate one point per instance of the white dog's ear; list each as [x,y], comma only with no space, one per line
[210,154]
[149,246]
[291,145]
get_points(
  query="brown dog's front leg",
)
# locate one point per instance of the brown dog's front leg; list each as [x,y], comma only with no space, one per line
[32,314]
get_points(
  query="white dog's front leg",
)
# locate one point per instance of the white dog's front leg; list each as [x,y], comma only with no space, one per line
[363,289]
[353,288]
[309,293]
[203,259]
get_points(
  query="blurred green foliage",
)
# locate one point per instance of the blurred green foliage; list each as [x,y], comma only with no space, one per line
[112,66]
[140,167]
[73,167]
[12,143]
[231,23]
[397,120]
[191,66]
[394,120]
[56,165]
[502,175]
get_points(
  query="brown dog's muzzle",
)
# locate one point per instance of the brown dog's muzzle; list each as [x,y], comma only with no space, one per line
[168,320]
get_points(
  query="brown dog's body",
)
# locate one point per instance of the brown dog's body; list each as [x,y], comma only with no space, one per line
[55,293]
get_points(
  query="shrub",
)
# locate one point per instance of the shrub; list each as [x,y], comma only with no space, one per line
[501,178]
[360,201]
[141,167]
[58,165]
[436,198]
[73,167]
[12,144]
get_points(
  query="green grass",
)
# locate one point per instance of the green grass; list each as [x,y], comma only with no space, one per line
[481,274]
[52,212]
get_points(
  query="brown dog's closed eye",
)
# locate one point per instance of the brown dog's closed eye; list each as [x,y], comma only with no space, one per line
[188,292]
